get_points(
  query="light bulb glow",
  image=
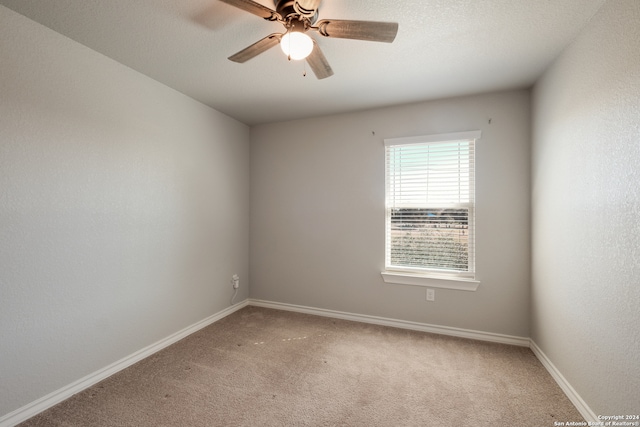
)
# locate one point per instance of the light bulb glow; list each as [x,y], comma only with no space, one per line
[296,45]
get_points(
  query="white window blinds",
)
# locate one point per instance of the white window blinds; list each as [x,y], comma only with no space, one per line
[430,197]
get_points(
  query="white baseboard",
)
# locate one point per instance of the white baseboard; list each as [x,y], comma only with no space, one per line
[34,408]
[404,324]
[571,393]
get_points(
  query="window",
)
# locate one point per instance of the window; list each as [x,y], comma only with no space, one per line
[430,204]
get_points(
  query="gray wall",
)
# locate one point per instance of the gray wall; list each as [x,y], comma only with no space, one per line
[124,211]
[586,205]
[317,213]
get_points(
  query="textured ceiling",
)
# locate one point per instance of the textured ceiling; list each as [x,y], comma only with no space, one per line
[443,48]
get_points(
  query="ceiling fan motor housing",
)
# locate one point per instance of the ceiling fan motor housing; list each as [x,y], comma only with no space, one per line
[291,9]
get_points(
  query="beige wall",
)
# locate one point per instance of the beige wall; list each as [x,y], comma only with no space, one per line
[317,213]
[586,204]
[124,211]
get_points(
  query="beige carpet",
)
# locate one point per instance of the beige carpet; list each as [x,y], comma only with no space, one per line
[262,367]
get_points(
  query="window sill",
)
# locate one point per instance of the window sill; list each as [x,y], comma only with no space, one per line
[412,279]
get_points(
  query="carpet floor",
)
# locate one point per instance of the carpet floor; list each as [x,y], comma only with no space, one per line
[264,367]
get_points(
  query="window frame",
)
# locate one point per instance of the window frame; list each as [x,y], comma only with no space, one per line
[417,276]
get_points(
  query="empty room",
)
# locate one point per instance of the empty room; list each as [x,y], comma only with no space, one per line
[319,213]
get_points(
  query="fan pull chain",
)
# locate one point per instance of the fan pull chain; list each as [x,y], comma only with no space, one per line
[304,72]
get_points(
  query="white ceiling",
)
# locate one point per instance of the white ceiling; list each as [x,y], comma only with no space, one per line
[444,48]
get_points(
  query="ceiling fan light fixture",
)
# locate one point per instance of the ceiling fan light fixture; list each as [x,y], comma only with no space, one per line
[296,45]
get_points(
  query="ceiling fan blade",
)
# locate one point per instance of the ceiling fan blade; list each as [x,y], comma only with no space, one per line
[319,63]
[255,8]
[257,48]
[307,7]
[358,30]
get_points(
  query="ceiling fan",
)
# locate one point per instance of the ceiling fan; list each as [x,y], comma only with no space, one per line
[300,16]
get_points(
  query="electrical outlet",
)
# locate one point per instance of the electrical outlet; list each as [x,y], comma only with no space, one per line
[431,294]
[235,280]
